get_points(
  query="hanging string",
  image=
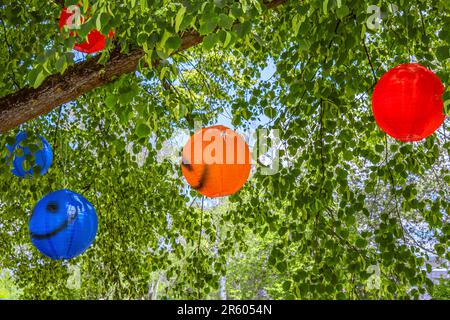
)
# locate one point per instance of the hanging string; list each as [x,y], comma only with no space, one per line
[199,241]
[201,226]
[58,124]
[408,38]
[66,145]
[62,152]
[393,10]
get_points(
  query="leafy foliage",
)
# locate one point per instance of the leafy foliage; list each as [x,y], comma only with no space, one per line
[441,291]
[8,290]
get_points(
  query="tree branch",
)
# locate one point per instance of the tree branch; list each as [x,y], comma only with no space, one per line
[79,79]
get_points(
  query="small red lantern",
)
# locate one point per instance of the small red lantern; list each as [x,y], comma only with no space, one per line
[407,102]
[216,161]
[72,18]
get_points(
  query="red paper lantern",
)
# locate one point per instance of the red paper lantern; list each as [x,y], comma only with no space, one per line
[216,161]
[95,40]
[407,102]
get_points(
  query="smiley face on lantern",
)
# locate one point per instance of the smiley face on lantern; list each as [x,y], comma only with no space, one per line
[407,102]
[216,161]
[72,18]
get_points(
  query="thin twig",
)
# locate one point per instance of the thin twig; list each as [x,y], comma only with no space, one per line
[370,62]
[9,53]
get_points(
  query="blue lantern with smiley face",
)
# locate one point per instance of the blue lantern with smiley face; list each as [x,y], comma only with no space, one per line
[63,225]
[43,157]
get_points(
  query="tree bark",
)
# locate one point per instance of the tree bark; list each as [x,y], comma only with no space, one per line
[80,78]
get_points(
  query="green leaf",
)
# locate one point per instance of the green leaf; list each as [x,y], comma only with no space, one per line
[361,243]
[325,6]
[206,27]
[174,42]
[126,95]
[440,250]
[347,155]
[102,20]
[36,77]
[210,41]
[296,23]
[225,21]
[142,130]
[61,64]
[10,140]
[443,52]
[179,18]
[111,101]
[142,38]
[162,54]
[281,266]
[342,11]
[270,112]
[227,40]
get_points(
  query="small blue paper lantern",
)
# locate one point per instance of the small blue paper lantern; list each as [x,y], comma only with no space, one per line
[63,225]
[42,158]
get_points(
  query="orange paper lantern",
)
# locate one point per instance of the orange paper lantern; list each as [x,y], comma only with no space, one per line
[95,40]
[216,161]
